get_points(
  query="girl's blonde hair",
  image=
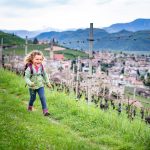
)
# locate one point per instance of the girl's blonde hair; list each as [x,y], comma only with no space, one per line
[29,58]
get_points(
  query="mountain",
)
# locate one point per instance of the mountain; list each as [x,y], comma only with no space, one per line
[72,39]
[11,39]
[133,36]
[23,33]
[30,34]
[136,25]
[123,40]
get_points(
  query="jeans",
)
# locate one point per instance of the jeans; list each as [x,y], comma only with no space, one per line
[41,94]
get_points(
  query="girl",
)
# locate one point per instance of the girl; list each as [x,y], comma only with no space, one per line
[36,77]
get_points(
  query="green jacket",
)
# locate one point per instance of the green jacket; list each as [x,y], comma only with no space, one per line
[37,78]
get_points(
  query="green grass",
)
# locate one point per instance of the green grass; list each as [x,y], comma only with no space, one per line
[11,39]
[72,54]
[145,101]
[20,50]
[72,125]
[68,54]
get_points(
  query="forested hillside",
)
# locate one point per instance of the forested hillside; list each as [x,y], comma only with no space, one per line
[122,40]
[11,39]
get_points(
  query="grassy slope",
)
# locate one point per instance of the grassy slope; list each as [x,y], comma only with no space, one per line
[20,50]
[10,39]
[72,125]
[72,54]
[69,54]
[145,101]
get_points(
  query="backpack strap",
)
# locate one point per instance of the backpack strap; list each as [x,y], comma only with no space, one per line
[25,67]
[42,69]
[31,69]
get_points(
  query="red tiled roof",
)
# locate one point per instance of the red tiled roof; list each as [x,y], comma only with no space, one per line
[58,57]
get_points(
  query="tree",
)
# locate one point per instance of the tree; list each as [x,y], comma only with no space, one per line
[142,77]
[122,70]
[147,80]
[138,72]
[35,41]
[60,68]
[73,62]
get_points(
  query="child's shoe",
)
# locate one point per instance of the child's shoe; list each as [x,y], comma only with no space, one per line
[45,112]
[30,108]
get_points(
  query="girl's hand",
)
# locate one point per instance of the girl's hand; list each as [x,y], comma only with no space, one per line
[32,84]
[49,85]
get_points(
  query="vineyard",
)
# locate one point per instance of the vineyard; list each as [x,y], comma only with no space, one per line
[103,94]
[19,51]
[71,125]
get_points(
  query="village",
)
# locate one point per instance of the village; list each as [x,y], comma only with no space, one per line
[105,76]
[117,71]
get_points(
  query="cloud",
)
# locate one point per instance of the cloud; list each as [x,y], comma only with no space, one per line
[32,4]
[12,15]
[64,14]
[101,2]
[22,8]
[20,4]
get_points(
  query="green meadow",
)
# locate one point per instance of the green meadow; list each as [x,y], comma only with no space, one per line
[72,125]
[20,50]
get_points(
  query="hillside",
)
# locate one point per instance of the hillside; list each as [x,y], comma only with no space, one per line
[71,35]
[136,25]
[136,37]
[68,53]
[72,54]
[11,39]
[123,40]
[126,41]
[23,33]
[72,125]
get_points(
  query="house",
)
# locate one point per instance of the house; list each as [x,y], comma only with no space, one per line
[66,64]
[58,57]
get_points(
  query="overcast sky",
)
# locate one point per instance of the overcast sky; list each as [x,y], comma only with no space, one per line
[69,14]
